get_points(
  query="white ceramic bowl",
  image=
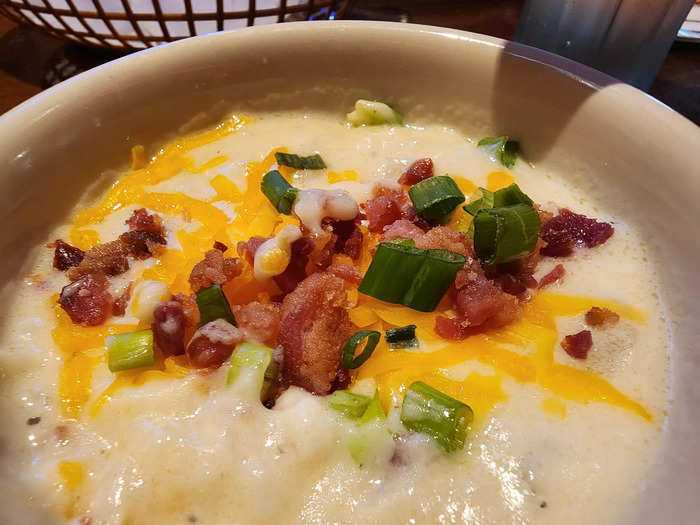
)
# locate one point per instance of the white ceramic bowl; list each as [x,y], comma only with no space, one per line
[640,157]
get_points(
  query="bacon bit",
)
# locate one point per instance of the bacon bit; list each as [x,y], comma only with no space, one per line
[189,307]
[142,244]
[481,303]
[420,170]
[87,300]
[346,272]
[169,327]
[313,330]
[220,246]
[141,220]
[578,345]
[401,229]
[259,323]
[213,344]
[511,285]
[296,269]
[566,230]
[65,256]
[120,303]
[444,238]
[597,316]
[450,328]
[214,269]
[108,258]
[247,250]
[348,238]
[552,277]
[381,211]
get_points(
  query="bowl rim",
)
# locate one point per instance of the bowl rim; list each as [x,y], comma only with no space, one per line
[581,73]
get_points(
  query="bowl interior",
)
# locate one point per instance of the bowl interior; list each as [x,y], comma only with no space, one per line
[632,152]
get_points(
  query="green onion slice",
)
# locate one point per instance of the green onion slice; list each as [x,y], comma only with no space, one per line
[373,113]
[213,305]
[130,350]
[349,359]
[506,233]
[312,162]
[252,369]
[509,196]
[436,198]
[484,201]
[278,191]
[442,417]
[501,149]
[433,279]
[410,276]
[402,337]
[391,271]
[349,404]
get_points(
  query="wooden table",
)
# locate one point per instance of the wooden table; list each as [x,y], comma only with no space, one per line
[31,61]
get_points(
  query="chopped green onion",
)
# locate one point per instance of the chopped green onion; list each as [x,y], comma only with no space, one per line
[433,279]
[312,162]
[213,305]
[349,359]
[501,149]
[402,337]
[509,196]
[371,442]
[507,233]
[431,412]
[410,276]
[436,198]
[130,350]
[485,201]
[252,369]
[392,271]
[278,191]
[373,113]
[349,404]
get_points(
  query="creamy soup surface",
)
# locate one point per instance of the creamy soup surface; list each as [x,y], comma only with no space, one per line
[554,439]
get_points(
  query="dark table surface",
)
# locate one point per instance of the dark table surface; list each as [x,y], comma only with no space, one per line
[31,60]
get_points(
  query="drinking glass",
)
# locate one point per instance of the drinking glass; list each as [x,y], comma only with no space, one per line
[628,39]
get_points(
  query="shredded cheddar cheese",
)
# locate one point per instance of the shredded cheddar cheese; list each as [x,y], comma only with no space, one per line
[523,351]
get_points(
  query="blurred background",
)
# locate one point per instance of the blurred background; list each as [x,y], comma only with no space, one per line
[43,42]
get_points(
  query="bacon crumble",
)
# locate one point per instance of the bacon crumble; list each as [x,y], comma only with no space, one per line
[258,322]
[597,316]
[314,327]
[65,256]
[577,345]
[567,229]
[142,244]
[554,276]
[213,344]
[109,258]
[214,269]
[141,220]
[418,171]
[169,327]
[87,300]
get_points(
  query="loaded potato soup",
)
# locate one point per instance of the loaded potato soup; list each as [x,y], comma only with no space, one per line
[301,318]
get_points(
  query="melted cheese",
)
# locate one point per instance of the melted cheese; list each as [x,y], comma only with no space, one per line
[314,205]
